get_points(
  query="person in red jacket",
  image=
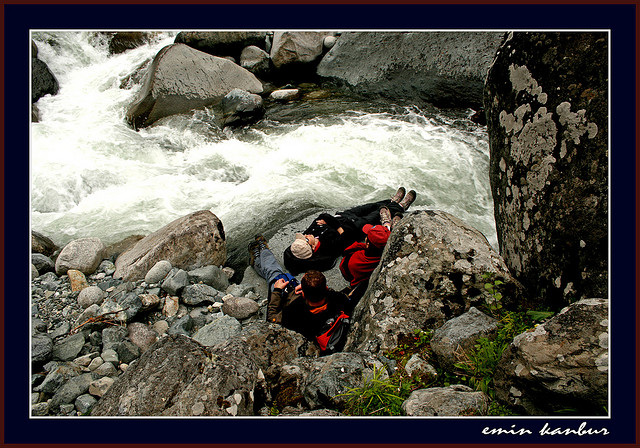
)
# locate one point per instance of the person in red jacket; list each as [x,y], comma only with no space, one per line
[360,259]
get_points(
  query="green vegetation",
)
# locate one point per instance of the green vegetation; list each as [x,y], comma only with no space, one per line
[384,396]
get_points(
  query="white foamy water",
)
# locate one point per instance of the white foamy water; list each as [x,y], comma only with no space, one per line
[92,175]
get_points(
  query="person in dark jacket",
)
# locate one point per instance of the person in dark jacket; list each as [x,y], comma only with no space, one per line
[319,247]
[304,307]
[308,307]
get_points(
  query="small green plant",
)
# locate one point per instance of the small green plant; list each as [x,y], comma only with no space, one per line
[494,304]
[377,396]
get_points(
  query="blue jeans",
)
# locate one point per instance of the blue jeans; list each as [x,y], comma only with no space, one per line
[267,267]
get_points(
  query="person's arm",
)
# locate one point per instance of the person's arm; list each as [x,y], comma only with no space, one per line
[276,302]
[331,221]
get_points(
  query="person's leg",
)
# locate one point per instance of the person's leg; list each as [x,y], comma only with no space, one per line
[267,266]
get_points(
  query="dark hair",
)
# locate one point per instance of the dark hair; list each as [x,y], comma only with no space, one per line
[314,286]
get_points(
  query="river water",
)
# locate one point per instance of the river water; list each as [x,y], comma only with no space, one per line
[92,175]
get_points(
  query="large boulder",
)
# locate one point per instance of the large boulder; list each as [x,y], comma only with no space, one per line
[296,47]
[181,79]
[41,244]
[431,270]
[546,100]
[561,364]
[187,243]
[121,41]
[452,401]
[457,337]
[447,69]
[84,255]
[222,43]
[43,81]
[177,376]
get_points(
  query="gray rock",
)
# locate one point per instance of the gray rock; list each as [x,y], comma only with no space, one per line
[431,271]
[42,245]
[188,243]
[158,272]
[90,296]
[43,81]
[218,331]
[240,307]
[175,282]
[562,363]
[183,326]
[84,403]
[110,355]
[71,390]
[285,94]
[106,369]
[68,348]
[255,59]
[112,336]
[210,275]
[241,107]
[181,79]
[57,377]
[85,360]
[547,118]
[296,48]
[107,267]
[95,363]
[84,255]
[141,335]
[61,330]
[456,338]
[178,377]
[418,367]
[221,43]
[333,375]
[40,409]
[127,351]
[101,386]
[454,400]
[34,272]
[42,263]
[41,348]
[197,294]
[50,281]
[442,68]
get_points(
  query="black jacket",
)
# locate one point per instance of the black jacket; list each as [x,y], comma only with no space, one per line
[296,315]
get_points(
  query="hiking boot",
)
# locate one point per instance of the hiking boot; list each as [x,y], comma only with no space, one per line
[396,219]
[408,200]
[385,216]
[262,242]
[399,195]
[254,252]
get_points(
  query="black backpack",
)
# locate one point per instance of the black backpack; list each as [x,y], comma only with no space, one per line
[333,334]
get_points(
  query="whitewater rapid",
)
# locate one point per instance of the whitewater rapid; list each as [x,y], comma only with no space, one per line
[93,175]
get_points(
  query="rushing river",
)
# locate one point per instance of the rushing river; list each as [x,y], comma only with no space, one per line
[93,175]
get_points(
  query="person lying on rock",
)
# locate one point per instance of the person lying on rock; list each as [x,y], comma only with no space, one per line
[318,247]
[309,308]
[361,258]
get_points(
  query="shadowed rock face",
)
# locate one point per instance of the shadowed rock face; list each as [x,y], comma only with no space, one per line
[546,102]
[444,69]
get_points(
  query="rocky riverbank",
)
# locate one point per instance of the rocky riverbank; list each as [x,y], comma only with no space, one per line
[155,327]
[199,344]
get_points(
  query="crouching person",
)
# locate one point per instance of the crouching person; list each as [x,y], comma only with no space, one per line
[310,308]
